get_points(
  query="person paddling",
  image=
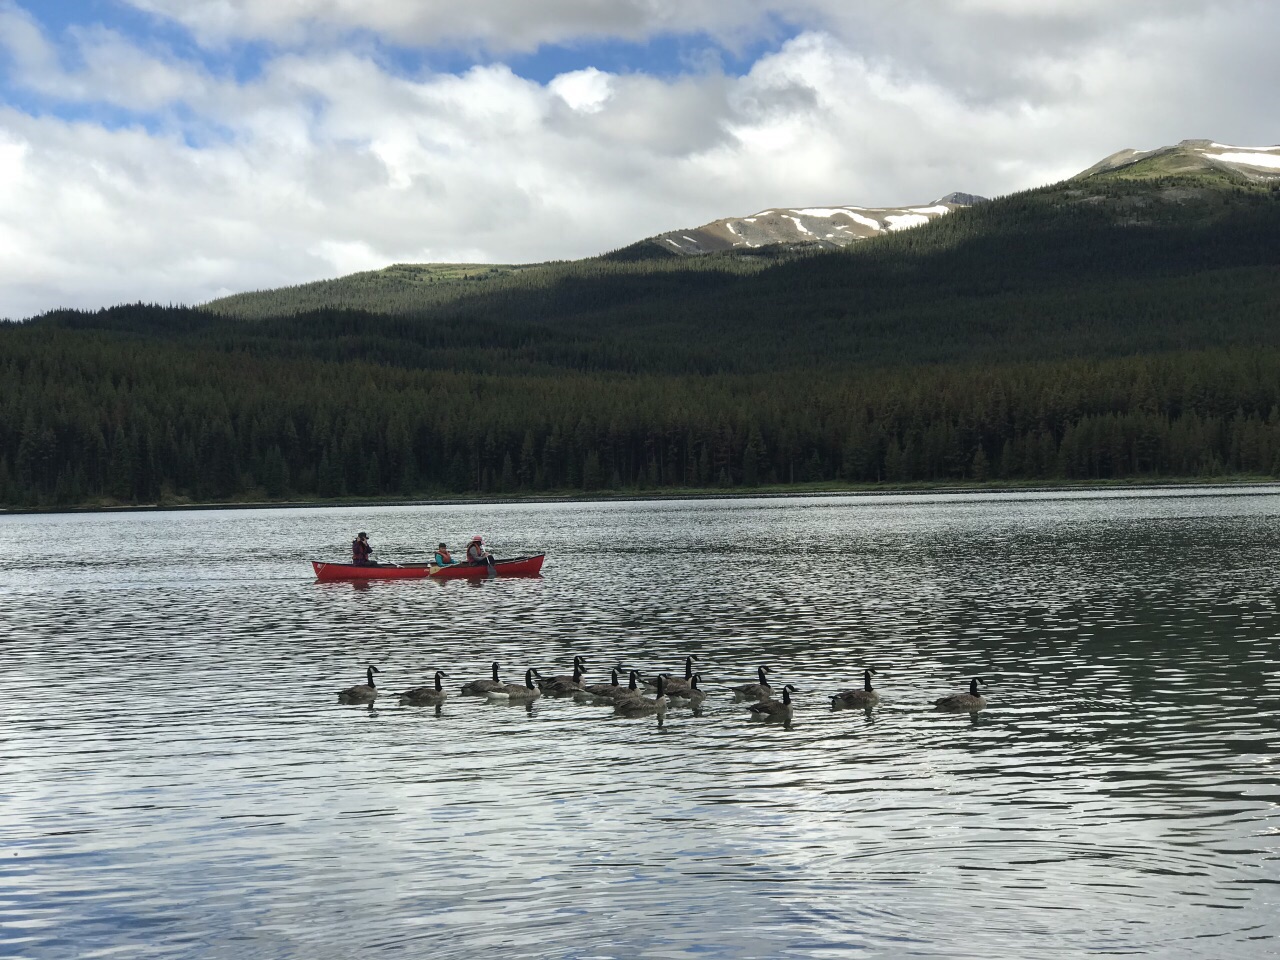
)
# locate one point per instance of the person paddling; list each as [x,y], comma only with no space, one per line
[360,551]
[477,555]
[443,559]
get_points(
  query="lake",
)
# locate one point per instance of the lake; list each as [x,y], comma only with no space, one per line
[179,780]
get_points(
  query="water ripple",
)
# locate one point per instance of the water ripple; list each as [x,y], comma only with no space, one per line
[180,782]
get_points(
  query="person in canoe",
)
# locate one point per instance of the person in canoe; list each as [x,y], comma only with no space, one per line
[361,551]
[477,555]
[442,557]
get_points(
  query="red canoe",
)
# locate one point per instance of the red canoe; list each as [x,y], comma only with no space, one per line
[515,567]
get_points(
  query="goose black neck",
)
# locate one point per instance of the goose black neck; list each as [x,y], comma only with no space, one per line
[866,680]
[528,678]
[764,682]
[369,673]
[973,688]
[635,675]
[495,671]
[613,676]
[662,684]
[786,696]
[439,687]
[688,668]
[577,672]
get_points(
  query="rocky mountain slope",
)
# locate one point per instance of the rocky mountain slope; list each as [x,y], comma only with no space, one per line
[828,227]
[1192,157]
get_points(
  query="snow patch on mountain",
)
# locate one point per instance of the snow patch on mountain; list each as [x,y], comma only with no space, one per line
[1250,159]
[904,221]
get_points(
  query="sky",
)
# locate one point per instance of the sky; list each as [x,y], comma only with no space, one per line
[173,151]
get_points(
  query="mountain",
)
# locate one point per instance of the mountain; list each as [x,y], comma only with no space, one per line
[819,227]
[769,235]
[1192,158]
[1182,185]
[1172,248]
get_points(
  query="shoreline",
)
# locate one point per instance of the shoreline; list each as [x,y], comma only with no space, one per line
[1245,486]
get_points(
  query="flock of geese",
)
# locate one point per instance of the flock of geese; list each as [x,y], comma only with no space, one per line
[632,698]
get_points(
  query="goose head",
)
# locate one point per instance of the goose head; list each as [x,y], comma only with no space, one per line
[528,677]
[786,694]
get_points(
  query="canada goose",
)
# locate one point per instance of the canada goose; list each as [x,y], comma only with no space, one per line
[579,666]
[632,689]
[518,693]
[426,696]
[971,701]
[674,684]
[361,692]
[866,697]
[772,709]
[617,693]
[754,691]
[592,692]
[565,686]
[478,688]
[691,696]
[639,706]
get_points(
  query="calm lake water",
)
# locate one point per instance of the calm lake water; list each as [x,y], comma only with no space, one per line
[177,779]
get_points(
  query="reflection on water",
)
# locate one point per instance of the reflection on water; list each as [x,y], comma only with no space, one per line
[179,780]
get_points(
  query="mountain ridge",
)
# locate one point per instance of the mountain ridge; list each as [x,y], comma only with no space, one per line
[1128,188]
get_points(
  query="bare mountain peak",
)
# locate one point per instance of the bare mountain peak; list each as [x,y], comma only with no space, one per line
[1191,157]
[830,227]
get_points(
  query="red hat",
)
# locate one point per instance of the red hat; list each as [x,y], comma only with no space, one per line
[477,539]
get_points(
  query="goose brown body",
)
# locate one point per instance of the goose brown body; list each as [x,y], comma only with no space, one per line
[755,691]
[640,706]
[430,695]
[866,697]
[362,692]
[774,709]
[616,693]
[963,702]
[676,684]
[519,693]
[595,691]
[565,686]
[479,688]
[690,696]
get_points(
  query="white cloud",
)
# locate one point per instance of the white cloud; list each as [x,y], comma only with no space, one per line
[583,90]
[329,161]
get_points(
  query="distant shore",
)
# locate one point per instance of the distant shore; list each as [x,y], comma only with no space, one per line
[1244,485]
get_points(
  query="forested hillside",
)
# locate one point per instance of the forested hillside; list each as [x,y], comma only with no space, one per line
[1124,325]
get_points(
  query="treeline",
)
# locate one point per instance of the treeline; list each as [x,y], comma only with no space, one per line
[89,417]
